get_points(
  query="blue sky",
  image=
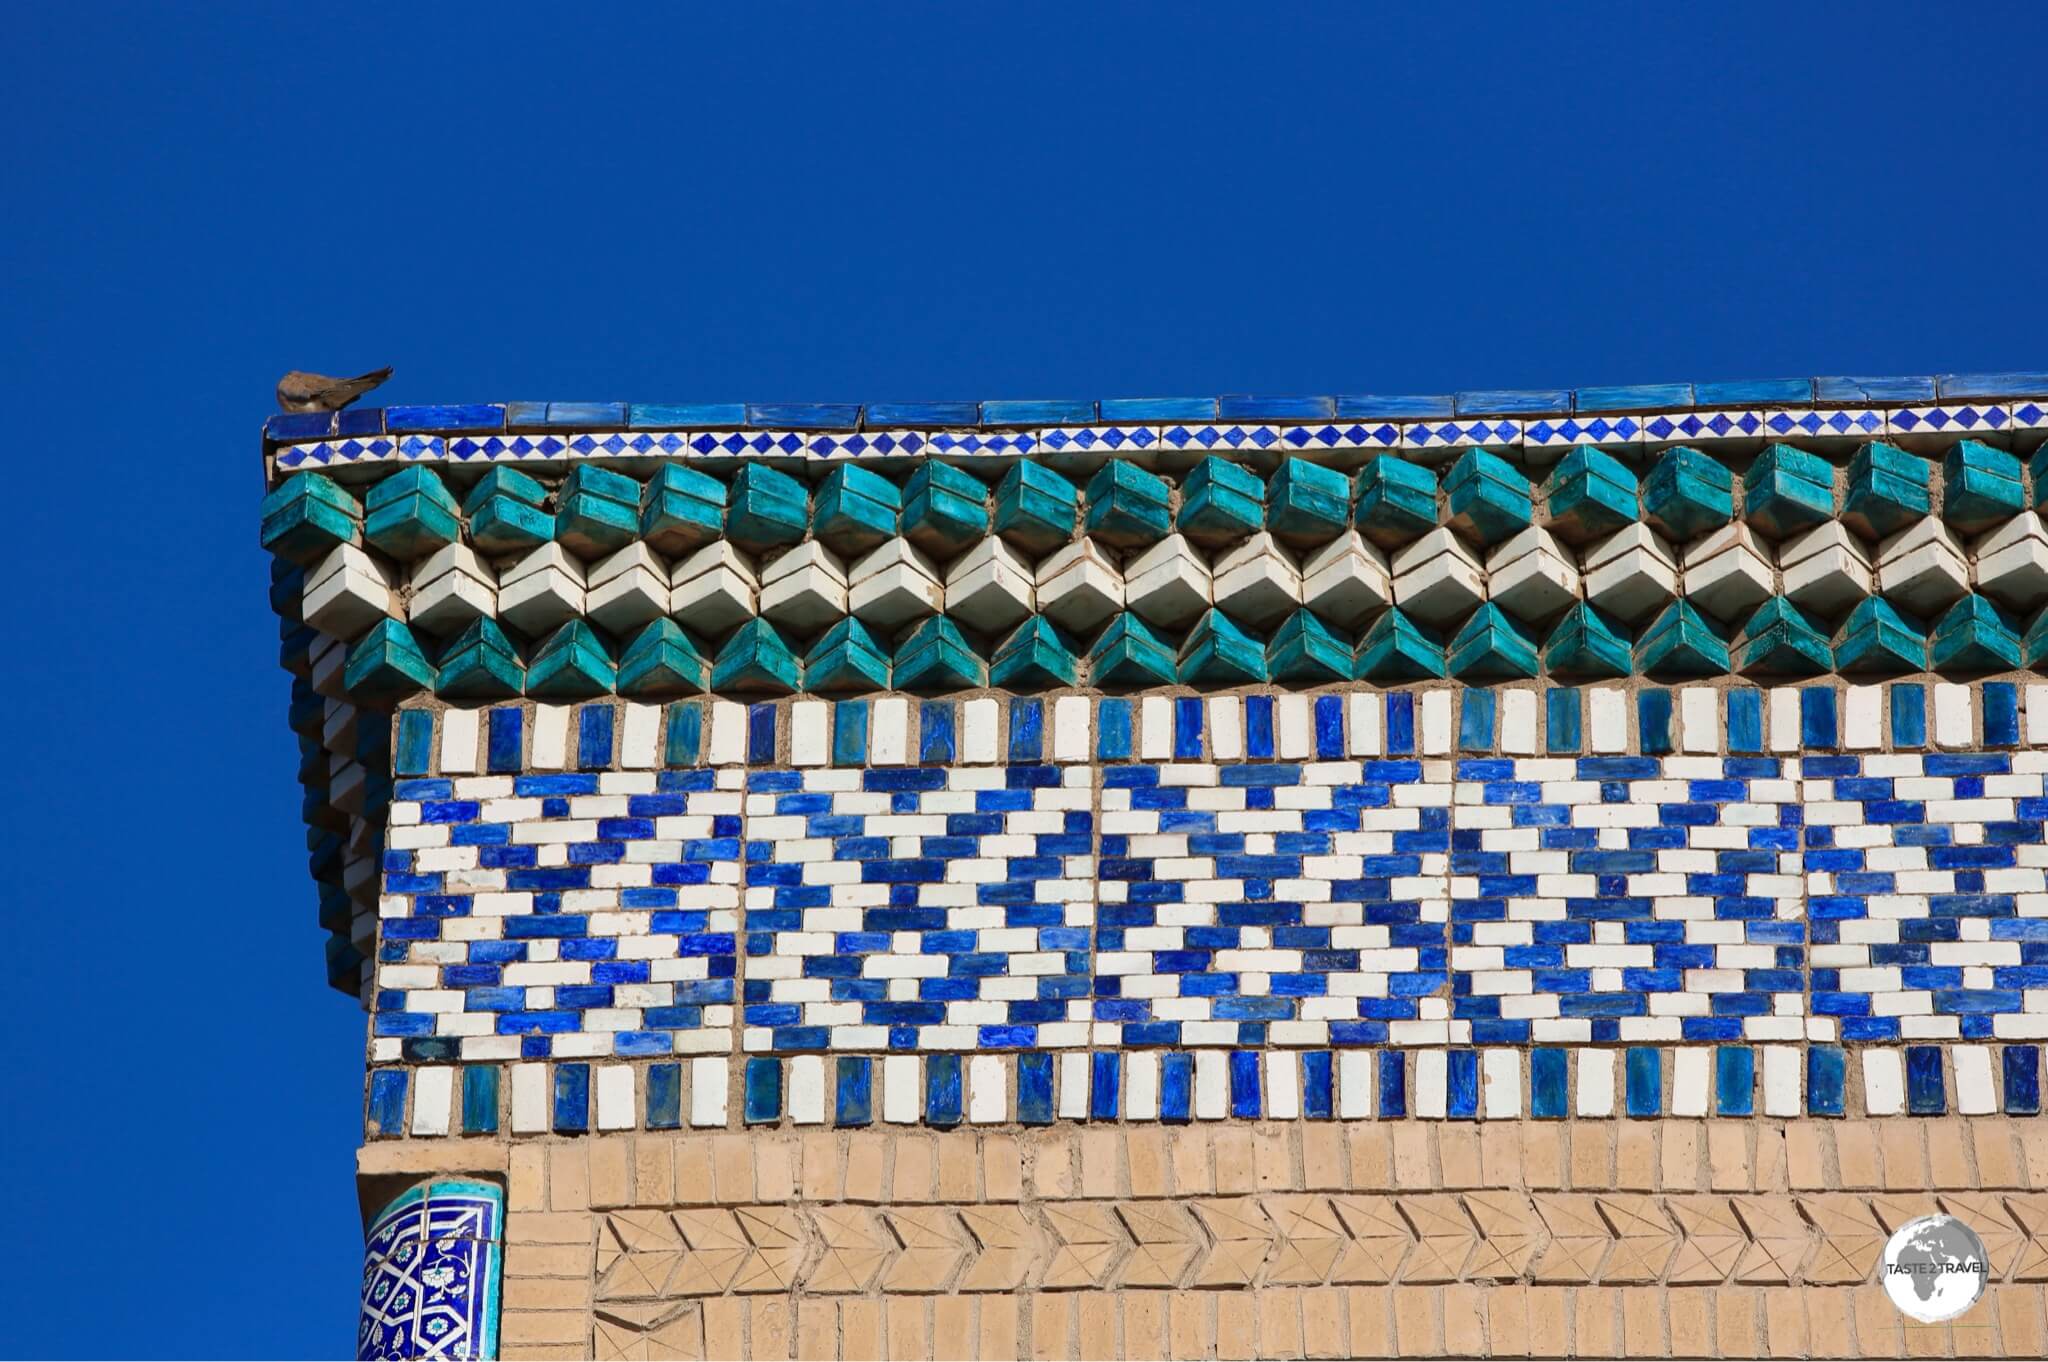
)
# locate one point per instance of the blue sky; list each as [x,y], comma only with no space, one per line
[778,203]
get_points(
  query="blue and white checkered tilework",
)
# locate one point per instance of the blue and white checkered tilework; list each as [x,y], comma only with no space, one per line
[1928,894]
[560,915]
[1272,902]
[1627,899]
[935,908]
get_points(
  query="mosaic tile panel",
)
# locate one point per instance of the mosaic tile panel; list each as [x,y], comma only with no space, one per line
[431,1265]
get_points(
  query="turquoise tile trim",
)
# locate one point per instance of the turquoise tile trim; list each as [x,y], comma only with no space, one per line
[1561,721]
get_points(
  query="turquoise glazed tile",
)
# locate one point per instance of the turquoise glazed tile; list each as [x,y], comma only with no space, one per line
[936,657]
[1589,496]
[505,515]
[855,510]
[410,514]
[573,664]
[682,509]
[1476,711]
[2034,644]
[1974,636]
[2037,469]
[1305,650]
[1562,718]
[1745,717]
[847,657]
[1681,643]
[850,733]
[1888,490]
[1129,654]
[480,664]
[1396,502]
[1876,638]
[1033,657]
[766,509]
[1221,503]
[1780,639]
[1688,494]
[756,658]
[1307,504]
[1909,714]
[597,511]
[1653,721]
[386,665]
[663,660]
[1587,643]
[1980,488]
[1786,491]
[944,510]
[1127,506]
[1492,646]
[1218,652]
[1397,648]
[307,516]
[1488,500]
[1036,509]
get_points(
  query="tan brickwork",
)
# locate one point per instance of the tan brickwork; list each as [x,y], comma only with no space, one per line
[1405,1239]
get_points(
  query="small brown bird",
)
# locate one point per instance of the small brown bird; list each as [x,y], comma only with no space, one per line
[301,391]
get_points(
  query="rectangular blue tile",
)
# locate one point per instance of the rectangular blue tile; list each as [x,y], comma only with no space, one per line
[2013,383]
[1329,722]
[1653,721]
[480,1099]
[1104,1072]
[1561,720]
[942,1090]
[1926,1094]
[1461,1084]
[1113,730]
[682,415]
[1826,1077]
[1759,392]
[1034,1088]
[850,733]
[387,1102]
[665,1096]
[1187,728]
[414,753]
[1176,1086]
[504,744]
[296,426]
[1161,409]
[685,734]
[2022,1065]
[1258,727]
[1317,1090]
[1393,1083]
[928,415]
[1475,721]
[572,1099]
[1909,714]
[1549,1084]
[1858,392]
[1040,412]
[594,736]
[1735,1080]
[1644,1090]
[854,1091]
[1027,730]
[1244,1084]
[1633,397]
[1400,723]
[2001,714]
[761,734]
[475,416]
[1255,407]
[935,732]
[1512,401]
[803,415]
[763,1090]
[1745,719]
[359,421]
[1371,407]
[592,415]
[1817,730]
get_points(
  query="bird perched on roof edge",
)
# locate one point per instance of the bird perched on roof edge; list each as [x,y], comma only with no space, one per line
[301,391]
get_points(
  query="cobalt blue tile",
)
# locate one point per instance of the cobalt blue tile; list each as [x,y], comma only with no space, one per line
[1513,402]
[1254,407]
[594,736]
[942,1090]
[572,1098]
[299,425]
[935,732]
[1176,1086]
[2001,714]
[761,734]
[1549,1084]
[1761,392]
[1034,1088]
[1147,409]
[850,733]
[762,1090]
[480,1099]
[1329,721]
[1925,1093]
[665,1096]
[1040,412]
[593,414]
[1644,1070]
[1826,1074]
[1856,392]
[1817,717]
[661,415]
[1400,723]
[1735,1080]
[1561,720]
[1653,721]
[414,753]
[880,415]
[2014,383]
[2022,1064]
[855,1105]
[1909,714]
[1258,726]
[360,421]
[1244,1084]
[1187,728]
[1475,721]
[387,1102]
[1113,730]
[1027,730]
[1745,719]
[504,741]
[1633,397]
[804,415]
[1317,1100]
[1461,1084]
[1103,1076]
[1371,407]
[685,734]
[476,416]
[1393,1083]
